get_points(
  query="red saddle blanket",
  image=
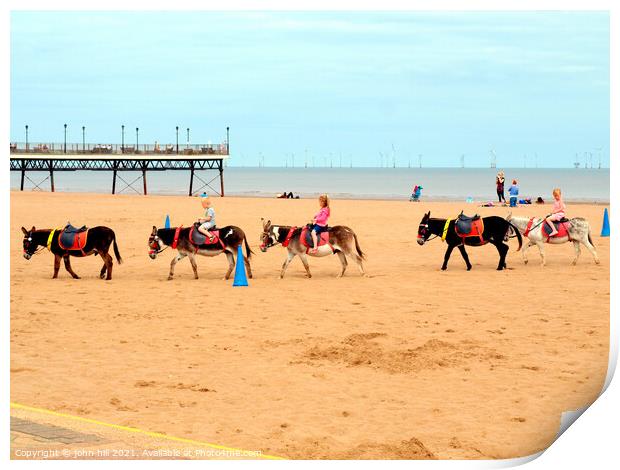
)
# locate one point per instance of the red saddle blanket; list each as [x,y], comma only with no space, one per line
[72,241]
[475,230]
[561,227]
[306,238]
[198,238]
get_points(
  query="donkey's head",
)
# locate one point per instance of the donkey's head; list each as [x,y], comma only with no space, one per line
[423,230]
[30,246]
[267,237]
[154,244]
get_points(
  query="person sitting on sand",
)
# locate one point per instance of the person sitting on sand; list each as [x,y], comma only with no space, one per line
[208,221]
[320,221]
[559,211]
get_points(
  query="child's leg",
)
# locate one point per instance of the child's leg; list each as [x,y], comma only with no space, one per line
[549,221]
[314,239]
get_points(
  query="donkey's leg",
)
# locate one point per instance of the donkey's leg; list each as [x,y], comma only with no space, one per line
[68,267]
[192,259]
[248,268]
[591,249]
[174,261]
[109,263]
[541,248]
[103,270]
[56,266]
[231,264]
[304,260]
[446,257]
[289,258]
[343,262]
[524,249]
[577,247]
[465,257]
[502,248]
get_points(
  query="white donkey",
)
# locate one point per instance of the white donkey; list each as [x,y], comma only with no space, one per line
[578,232]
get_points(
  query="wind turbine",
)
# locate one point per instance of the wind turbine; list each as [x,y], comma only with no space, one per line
[493,159]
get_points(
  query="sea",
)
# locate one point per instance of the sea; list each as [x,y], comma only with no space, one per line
[449,184]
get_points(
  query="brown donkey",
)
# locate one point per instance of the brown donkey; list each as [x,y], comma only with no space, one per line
[338,240]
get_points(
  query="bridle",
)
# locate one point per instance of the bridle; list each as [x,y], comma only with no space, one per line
[36,251]
[270,242]
[155,247]
[422,230]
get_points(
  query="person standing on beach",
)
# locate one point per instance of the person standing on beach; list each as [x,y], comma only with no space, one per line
[559,211]
[499,183]
[320,221]
[514,192]
[208,221]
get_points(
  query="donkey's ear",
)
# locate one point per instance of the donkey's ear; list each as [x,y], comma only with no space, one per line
[268,224]
[509,216]
[32,229]
[24,230]
[154,232]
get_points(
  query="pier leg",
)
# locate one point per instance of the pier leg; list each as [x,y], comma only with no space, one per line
[221,180]
[21,186]
[113,181]
[191,178]
[144,179]
[52,175]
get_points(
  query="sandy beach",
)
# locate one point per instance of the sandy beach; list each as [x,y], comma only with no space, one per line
[409,362]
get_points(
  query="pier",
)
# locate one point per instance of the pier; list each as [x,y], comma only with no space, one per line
[54,157]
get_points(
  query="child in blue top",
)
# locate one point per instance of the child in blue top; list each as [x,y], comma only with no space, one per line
[514,192]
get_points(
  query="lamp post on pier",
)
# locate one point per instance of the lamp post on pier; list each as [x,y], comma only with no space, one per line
[83,139]
[137,129]
[26,137]
[123,138]
[228,141]
[177,140]
[65,146]
[187,138]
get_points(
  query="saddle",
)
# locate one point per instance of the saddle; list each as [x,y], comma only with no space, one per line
[72,238]
[562,228]
[306,238]
[466,226]
[197,238]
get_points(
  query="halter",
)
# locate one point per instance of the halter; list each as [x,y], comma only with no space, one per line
[153,246]
[36,250]
[265,245]
[425,229]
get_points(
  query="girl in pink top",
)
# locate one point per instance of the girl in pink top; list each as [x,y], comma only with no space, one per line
[559,211]
[320,221]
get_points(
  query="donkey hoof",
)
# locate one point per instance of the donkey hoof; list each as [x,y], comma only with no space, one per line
[525,261]
[469,268]
[170,278]
[76,277]
[597,261]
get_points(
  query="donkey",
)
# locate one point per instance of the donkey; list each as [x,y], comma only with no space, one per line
[342,241]
[495,231]
[578,231]
[227,241]
[98,241]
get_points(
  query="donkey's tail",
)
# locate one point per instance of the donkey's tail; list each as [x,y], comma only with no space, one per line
[357,248]
[518,235]
[248,251]
[116,253]
[590,237]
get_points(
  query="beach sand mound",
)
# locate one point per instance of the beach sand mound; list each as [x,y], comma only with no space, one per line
[326,448]
[363,350]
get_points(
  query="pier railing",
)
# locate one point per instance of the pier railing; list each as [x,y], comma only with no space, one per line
[55,148]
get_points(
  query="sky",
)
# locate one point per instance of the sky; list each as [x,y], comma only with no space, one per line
[361,88]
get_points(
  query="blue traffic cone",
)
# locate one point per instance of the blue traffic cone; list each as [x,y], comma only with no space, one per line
[241,279]
[605,229]
[167,223]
